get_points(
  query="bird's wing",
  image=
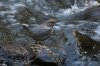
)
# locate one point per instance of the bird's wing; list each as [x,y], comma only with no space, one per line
[28,27]
[40,31]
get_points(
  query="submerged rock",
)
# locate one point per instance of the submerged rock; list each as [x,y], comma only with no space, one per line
[87,46]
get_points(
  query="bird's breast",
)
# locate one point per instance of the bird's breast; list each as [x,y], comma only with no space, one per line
[41,33]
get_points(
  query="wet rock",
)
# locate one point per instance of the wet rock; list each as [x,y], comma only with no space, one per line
[12,48]
[23,14]
[43,55]
[52,54]
[15,54]
[5,36]
[15,28]
[39,62]
[2,63]
[47,57]
[87,46]
[27,14]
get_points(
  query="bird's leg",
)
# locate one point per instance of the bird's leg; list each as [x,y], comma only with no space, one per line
[40,42]
[36,42]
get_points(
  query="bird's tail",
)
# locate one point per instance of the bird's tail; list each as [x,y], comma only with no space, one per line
[25,26]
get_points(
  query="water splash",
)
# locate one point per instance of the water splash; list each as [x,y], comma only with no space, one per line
[91,4]
[75,9]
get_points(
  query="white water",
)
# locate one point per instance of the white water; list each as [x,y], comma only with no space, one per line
[62,12]
[70,11]
[75,9]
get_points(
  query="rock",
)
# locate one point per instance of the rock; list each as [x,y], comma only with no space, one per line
[23,14]
[38,62]
[14,52]
[87,46]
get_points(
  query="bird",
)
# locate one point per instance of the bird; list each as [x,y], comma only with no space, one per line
[40,32]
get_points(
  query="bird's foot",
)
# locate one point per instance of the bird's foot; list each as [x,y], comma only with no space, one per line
[38,42]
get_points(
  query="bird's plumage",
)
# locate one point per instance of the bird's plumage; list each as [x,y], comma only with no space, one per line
[40,32]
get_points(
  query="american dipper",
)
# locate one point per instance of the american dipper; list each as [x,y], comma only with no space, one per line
[40,32]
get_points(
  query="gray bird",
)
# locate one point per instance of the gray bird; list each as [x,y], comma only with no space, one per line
[40,32]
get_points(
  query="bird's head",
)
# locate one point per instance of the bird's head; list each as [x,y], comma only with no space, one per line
[50,23]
